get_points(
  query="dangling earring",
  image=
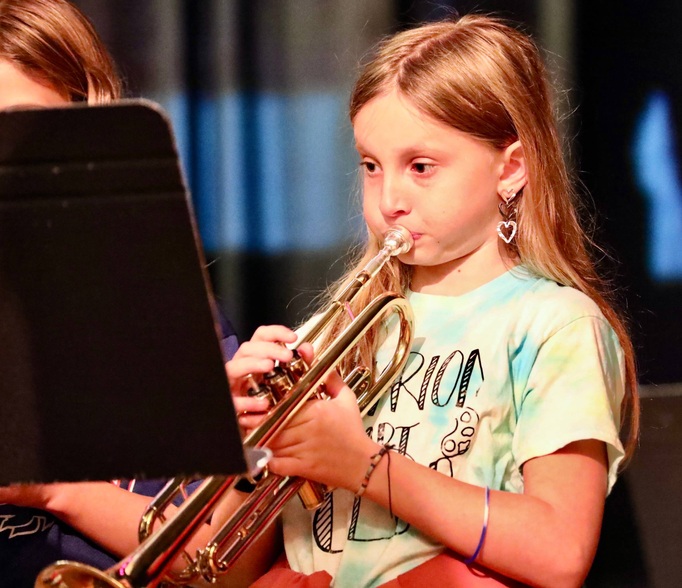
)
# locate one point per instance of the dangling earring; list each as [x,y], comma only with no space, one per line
[506,229]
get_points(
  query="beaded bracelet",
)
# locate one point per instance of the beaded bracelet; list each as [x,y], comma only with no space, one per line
[484,530]
[373,462]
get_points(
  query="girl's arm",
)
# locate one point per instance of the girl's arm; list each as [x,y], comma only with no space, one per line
[105,513]
[109,516]
[544,537]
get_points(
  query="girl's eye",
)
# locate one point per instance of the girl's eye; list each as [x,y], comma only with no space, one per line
[370,166]
[421,168]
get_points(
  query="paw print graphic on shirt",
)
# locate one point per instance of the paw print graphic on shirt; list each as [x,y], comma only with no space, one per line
[457,441]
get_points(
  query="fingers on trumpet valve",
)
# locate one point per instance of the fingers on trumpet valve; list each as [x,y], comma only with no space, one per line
[250,410]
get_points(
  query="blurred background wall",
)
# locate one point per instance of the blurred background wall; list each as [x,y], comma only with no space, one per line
[257,94]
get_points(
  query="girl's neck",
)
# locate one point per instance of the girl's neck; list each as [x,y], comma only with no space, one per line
[464,274]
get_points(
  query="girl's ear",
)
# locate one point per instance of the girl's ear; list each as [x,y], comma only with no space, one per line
[513,175]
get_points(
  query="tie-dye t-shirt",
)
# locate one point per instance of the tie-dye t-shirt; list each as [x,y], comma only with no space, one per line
[515,369]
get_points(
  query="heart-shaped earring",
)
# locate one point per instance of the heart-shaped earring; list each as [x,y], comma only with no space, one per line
[503,230]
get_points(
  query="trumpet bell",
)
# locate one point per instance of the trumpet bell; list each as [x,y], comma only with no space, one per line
[70,574]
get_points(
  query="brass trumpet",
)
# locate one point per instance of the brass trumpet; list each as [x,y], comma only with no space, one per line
[288,387]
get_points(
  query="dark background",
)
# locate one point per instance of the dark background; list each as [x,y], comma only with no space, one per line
[257,92]
[235,77]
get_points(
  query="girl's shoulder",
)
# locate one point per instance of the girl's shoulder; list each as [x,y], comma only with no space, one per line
[546,307]
[549,296]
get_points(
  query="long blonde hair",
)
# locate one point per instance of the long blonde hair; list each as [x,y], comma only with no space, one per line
[484,77]
[52,41]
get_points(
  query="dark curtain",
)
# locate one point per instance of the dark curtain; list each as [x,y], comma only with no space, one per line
[631,116]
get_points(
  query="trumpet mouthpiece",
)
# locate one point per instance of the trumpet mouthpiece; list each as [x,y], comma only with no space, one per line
[397,240]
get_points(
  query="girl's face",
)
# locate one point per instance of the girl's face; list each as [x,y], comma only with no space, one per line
[439,183]
[17,90]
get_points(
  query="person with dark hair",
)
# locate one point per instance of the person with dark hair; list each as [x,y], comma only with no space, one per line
[51,56]
[51,44]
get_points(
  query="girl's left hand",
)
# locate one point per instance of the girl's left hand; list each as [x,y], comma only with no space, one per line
[253,358]
[326,441]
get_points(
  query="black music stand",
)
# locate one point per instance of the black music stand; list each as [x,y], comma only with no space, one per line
[110,360]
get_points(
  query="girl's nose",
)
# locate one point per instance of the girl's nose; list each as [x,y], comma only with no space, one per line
[394,200]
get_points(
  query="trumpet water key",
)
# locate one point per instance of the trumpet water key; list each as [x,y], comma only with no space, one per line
[288,388]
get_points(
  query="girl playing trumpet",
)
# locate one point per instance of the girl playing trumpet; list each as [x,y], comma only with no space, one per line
[490,458]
